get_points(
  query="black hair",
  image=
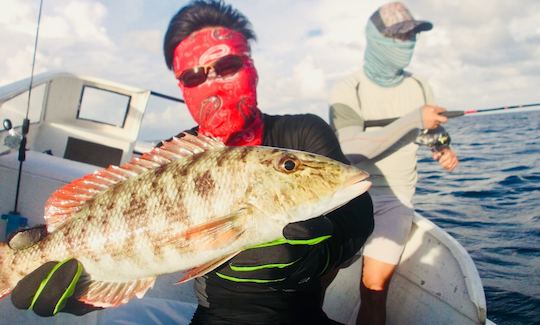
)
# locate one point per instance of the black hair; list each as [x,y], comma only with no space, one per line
[199,14]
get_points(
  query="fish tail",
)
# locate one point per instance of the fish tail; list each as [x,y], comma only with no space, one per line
[8,279]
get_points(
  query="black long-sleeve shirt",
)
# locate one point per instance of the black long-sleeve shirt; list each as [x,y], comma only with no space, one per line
[226,302]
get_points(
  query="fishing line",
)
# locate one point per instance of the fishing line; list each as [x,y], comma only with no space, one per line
[451,114]
[34,59]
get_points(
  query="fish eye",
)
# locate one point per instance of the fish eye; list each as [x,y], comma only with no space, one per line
[288,164]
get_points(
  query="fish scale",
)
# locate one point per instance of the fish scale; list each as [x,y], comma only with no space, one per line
[187,206]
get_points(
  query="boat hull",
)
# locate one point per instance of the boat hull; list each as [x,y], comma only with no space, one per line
[436,282]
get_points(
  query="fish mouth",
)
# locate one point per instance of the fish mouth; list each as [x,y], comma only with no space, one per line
[359,187]
[358,177]
[355,186]
[356,183]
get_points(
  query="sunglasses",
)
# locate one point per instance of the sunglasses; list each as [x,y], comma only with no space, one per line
[225,66]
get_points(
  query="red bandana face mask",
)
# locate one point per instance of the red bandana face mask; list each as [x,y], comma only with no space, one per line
[218,81]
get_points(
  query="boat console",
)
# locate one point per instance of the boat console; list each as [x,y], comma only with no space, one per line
[77,125]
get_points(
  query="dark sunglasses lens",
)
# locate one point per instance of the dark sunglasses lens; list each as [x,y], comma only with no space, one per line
[192,78]
[228,65]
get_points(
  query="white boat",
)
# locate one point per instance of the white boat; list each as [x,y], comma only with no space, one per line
[80,124]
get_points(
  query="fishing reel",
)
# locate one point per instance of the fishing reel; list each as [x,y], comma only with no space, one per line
[436,139]
[13,138]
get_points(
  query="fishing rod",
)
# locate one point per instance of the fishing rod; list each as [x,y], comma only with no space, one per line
[14,219]
[450,114]
[26,121]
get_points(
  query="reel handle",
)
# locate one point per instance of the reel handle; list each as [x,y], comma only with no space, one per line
[7,124]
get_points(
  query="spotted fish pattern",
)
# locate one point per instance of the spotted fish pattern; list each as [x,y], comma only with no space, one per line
[187,206]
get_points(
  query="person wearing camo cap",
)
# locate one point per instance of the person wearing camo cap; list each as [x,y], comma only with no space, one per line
[382,90]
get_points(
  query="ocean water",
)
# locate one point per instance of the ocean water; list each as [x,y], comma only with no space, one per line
[491,205]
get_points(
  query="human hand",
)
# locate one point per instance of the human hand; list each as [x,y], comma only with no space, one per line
[447,158]
[310,248]
[49,290]
[431,116]
[298,257]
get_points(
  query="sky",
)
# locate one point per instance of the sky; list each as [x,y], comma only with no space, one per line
[480,54]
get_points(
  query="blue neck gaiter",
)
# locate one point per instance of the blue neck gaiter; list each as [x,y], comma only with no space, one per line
[385,58]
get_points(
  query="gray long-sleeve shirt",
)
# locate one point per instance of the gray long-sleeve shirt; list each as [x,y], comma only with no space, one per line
[387,153]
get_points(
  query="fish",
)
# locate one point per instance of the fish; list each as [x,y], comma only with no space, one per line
[187,206]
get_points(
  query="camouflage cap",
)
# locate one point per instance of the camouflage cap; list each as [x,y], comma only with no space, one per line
[394,19]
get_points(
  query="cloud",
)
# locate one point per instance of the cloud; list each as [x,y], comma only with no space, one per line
[75,20]
[84,20]
[309,78]
[149,41]
[525,29]
[164,119]
[71,35]
[18,16]
[478,54]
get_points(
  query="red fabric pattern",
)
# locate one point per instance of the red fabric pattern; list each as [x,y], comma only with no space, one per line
[224,107]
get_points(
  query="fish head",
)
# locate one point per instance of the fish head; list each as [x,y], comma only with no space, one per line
[294,185]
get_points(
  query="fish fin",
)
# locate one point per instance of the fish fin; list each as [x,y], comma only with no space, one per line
[24,238]
[205,268]
[72,197]
[216,233]
[111,294]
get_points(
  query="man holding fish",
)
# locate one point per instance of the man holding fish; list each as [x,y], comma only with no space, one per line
[315,211]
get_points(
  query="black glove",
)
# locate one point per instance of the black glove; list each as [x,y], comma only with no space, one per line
[282,262]
[49,290]
[309,249]
[353,224]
